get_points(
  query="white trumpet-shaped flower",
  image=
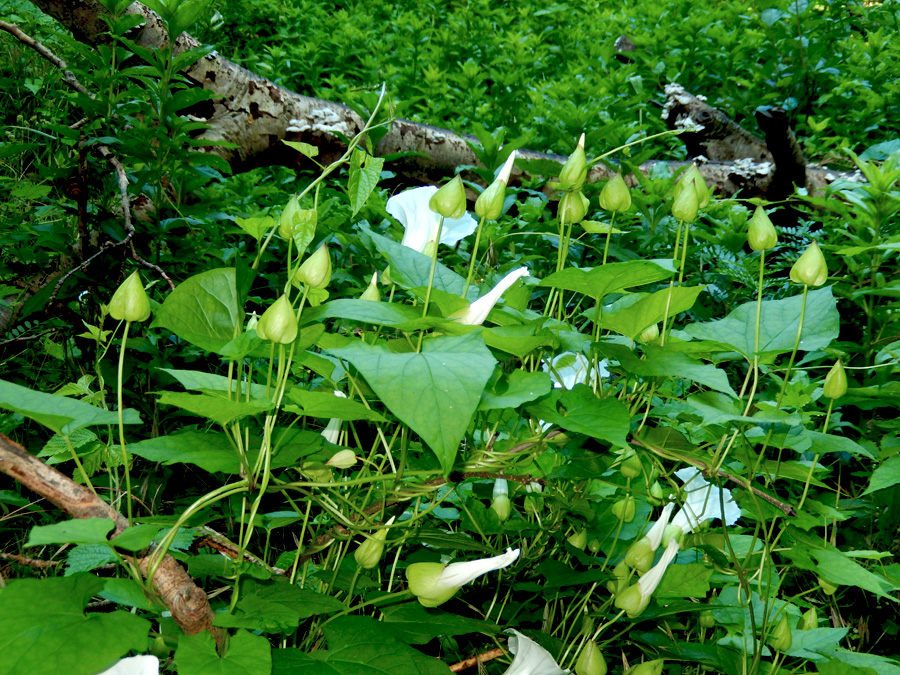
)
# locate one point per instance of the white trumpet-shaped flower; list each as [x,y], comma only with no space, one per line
[146,664]
[703,502]
[530,657]
[332,431]
[476,313]
[421,223]
[435,583]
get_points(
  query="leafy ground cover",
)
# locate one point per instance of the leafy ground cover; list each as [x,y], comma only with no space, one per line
[616,429]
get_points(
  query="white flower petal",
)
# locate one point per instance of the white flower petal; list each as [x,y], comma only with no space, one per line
[530,657]
[410,208]
[146,664]
[703,502]
[648,583]
[507,167]
[478,311]
[655,534]
[332,431]
[461,573]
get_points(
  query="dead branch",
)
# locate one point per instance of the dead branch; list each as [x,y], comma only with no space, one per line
[477,660]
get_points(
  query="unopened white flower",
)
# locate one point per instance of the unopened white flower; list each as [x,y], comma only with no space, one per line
[342,459]
[636,597]
[530,657]
[146,664]
[421,223]
[476,313]
[703,502]
[332,431]
[434,583]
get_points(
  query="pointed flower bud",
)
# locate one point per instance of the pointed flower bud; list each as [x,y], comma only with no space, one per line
[342,459]
[635,599]
[573,207]
[501,504]
[594,546]
[647,668]
[531,658]
[761,234]
[315,271]
[476,313]
[578,539]
[590,660]
[369,553]
[630,464]
[450,199]
[835,382]
[809,620]
[574,171]
[780,640]
[619,580]
[686,205]
[278,323]
[810,268]
[649,334]
[434,584]
[130,301]
[827,587]
[615,195]
[624,509]
[372,293]
[707,619]
[490,202]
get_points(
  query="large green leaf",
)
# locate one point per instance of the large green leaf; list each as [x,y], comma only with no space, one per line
[204,309]
[365,170]
[247,654]
[44,630]
[199,380]
[326,405]
[835,567]
[220,410]
[581,411]
[885,476]
[411,623]
[435,392]
[77,531]
[632,314]
[601,281]
[779,320]
[404,317]
[685,581]
[59,413]
[276,606]
[515,389]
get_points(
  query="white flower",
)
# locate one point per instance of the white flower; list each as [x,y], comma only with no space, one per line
[531,658]
[145,664]
[571,368]
[433,583]
[332,431]
[477,312]
[703,502]
[342,459]
[421,223]
[507,167]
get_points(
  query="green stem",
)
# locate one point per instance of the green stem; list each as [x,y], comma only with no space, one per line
[122,424]
[474,257]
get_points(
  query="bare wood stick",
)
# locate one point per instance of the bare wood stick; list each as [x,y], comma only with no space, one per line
[478,659]
[30,562]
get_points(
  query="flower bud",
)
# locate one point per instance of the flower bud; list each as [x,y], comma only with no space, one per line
[647,668]
[501,504]
[369,553]
[632,601]
[573,207]
[594,546]
[656,493]
[579,539]
[630,464]
[619,580]
[809,620]
[686,205]
[590,661]
[835,382]
[640,555]
[449,200]
[810,268]
[780,640]
[672,532]
[489,204]
[130,301]
[295,220]
[434,584]
[707,620]
[827,587]
[615,195]
[278,323]
[624,509]
[315,271]
[649,334]
[574,171]
[761,234]
[342,459]
[372,293]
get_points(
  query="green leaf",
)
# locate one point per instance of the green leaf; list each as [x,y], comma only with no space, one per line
[837,568]
[198,380]
[210,451]
[44,631]
[276,606]
[633,313]
[411,623]
[685,581]
[365,171]
[306,149]
[87,557]
[204,309]
[514,390]
[435,392]
[812,644]
[779,320]
[824,443]
[78,531]
[518,340]
[885,476]
[137,537]
[127,592]
[256,227]
[293,661]
[601,281]
[58,413]
[218,409]
[247,654]
[584,413]
[404,317]
[325,404]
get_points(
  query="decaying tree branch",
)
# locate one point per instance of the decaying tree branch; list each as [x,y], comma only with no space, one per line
[188,603]
[253,113]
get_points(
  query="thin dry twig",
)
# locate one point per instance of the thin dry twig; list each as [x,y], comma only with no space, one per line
[30,562]
[476,660]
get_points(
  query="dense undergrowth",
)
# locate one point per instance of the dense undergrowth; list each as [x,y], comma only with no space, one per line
[348,435]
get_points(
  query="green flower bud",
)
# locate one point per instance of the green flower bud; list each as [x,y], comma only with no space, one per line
[615,195]
[809,620]
[835,382]
[278,323]
[810,268]
[424,582]
[672,532]
[630,464]
[707,620]
[590,660]
[369,553]
[699,185]
[449,200]
[827,587]
[624,509]
[295,220]
[780,640]
[594,546]
[573,207]
[647,668]
[501,504]
[761,234]
[579,539]
[656,493]
[315,271]
[342,459]
[372,293]
[632,601]
[649,334]
[686,205]
[640,555]
[490,202]
[574,171]
[130,301]
[619,580]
